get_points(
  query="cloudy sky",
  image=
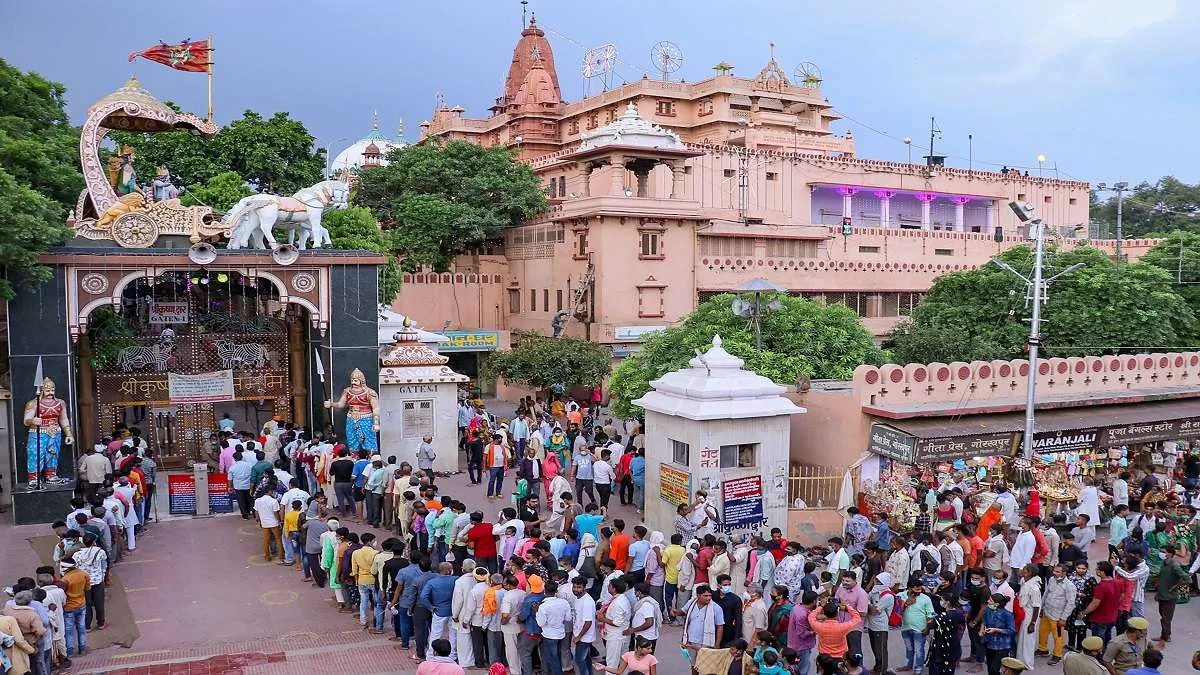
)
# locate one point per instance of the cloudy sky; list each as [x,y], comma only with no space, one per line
[1105,89]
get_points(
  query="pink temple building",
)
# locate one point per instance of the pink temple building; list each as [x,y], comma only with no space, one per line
[664,193]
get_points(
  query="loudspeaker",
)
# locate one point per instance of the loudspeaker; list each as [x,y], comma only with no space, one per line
[998,235]
[202,253]
[285,254]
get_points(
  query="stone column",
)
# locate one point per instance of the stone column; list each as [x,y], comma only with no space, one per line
[297,351]
[926,198]
[885,206]
[677,179]
[959,204]
[991,217]
[847,194]
[618,176]
[643,183]
[587,180]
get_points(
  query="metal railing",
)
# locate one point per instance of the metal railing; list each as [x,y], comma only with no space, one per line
[817,486]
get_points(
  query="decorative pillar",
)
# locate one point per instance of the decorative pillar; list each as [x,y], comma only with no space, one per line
[847,194]
[297,353]
[85,427]
[618,175]
[959,204]
[885,206]
[926,198]
[643,183]
[587,180]
[677,180]
[991,217]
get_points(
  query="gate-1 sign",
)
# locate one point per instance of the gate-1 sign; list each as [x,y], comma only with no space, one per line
[168,312]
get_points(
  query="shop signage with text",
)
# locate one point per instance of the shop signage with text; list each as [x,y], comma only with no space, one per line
[944,449]
[1063,441]
[742,500]
[893,443]
[200,388]
[470,341]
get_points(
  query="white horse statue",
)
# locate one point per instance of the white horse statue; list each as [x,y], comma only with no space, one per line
[252,220]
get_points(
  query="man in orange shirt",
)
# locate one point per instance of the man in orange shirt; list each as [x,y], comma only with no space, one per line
[831,633]
[77,583]
[619,545]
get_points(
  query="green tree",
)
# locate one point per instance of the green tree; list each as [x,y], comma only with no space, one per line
[273,155]
[804,338]
[39,174]
[540,362]
[441,199]
[355,228]
[220,192]
[1165,205]
[1097,309]
[1179,255]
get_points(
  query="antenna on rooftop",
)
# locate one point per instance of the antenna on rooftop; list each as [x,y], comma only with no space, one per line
[809,74]
[666,57]
[598,62]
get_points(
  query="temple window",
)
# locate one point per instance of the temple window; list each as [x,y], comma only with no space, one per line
[705,107]
[514,301]
[665,108]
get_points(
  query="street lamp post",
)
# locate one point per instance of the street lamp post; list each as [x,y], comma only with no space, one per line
[1037,294]
[908,144]
[1119,188]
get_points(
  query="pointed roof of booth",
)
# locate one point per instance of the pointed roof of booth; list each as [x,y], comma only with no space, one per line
[716,386]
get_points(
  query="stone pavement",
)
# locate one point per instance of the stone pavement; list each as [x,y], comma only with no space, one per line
[206,602]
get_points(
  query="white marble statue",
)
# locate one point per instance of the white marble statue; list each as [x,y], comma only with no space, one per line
[252,220]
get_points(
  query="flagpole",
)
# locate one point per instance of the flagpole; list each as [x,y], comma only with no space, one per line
[210,62]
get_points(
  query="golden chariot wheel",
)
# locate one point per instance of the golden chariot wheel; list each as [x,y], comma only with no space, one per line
[135,230]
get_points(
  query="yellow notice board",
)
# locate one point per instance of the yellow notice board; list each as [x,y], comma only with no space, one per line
[675,485]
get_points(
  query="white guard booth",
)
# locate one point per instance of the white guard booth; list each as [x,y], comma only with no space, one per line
[725,430]
[418,396]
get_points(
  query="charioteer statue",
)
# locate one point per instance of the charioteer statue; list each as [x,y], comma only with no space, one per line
[362,414]
[49,428]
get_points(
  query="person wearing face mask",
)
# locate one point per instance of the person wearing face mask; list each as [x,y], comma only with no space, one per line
[731,607]
[977,594]
[1023,547]
[851,594]
[997,631]
[1058,601]
[1031,602]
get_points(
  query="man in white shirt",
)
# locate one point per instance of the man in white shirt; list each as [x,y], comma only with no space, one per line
[647,615]
[510,625]
[603,476]
[995,550]
[915,562]
[754,616]
[957,502]
[583,626]
[1024,547]
[1120,490]
[957,557]
[617,617]
[293,494]
[267,509]
[553,615]
[1139,572]
[705,517]
[472,618]
[1008,505]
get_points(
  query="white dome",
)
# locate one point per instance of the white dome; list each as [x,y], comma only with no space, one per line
[352,157]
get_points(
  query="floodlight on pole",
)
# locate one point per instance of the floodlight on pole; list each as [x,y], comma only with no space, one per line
[755,311]
[1037,286]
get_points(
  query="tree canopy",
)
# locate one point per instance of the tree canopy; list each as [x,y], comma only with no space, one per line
[441,199]
[39,173]
[541,362]
[273,154]
[1097,309]
[356,228]
[220,192]
[802,339]
[1149,209]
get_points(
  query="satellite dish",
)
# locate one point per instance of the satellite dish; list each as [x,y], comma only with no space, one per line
[809,74]
[741,307]
[666,57]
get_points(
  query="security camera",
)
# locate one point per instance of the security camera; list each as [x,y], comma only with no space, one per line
[1024,210]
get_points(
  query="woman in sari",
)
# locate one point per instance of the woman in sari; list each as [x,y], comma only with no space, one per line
[557,445]
[332,542]
[550,469]
[347,579]
[945,514]
[655,574]
[779,613]
[1158,539]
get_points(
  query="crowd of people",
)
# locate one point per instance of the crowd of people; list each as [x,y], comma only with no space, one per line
[550,580]
[47,616]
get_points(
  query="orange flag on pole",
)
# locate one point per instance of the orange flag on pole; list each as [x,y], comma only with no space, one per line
[190,56]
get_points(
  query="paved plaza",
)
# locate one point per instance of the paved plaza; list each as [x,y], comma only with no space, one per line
[204,601]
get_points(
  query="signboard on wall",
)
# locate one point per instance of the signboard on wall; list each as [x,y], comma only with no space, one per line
[470,341]
[201,387]
[181,493]
[416,419]
[742,504]
[168,312]
[635,333]
[675,485]
[888,442]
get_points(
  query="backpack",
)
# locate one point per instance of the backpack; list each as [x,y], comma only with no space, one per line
[897,615]
[928,559]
